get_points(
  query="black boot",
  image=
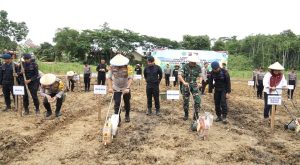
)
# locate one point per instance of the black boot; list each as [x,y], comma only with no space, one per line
[149,112]
[48,114]
[26,111]
[57,113]
[6,109]
[127,118]
[186,115]
[219,118]
[158,112]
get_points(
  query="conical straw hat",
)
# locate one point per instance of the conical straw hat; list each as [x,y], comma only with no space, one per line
[48,79]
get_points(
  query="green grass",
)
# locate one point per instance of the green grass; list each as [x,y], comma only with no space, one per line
[62,68]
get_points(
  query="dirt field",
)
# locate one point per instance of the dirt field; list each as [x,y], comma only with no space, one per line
[76,137]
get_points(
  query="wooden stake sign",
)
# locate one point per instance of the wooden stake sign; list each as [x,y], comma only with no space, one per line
[98,91]
[274,100]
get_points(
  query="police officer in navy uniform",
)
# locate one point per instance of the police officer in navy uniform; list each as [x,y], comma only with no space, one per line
[32,74]
[153,76]
[101,69]
[222,87]
[7,79]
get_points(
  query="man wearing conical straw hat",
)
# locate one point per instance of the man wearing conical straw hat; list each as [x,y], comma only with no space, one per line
[119,83]
[273,83]
[52,89]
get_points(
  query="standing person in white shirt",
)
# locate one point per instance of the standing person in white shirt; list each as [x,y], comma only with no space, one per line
[204,78]
[273,83]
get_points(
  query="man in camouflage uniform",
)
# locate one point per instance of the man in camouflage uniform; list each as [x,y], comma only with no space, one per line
[190,77]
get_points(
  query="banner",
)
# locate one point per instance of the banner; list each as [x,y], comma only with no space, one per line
[172,57]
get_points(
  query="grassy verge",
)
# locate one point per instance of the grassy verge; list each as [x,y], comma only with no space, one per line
[62,68]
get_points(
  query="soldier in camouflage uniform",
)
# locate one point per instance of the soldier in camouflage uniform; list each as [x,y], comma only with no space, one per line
[190,77]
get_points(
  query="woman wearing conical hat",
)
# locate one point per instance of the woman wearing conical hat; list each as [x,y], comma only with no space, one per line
[273,83]
[119,82]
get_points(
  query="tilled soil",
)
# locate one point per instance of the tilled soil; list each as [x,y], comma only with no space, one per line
[76,137]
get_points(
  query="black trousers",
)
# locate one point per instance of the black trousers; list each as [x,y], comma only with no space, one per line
[71,84]
[126,99]
[176,81]
[260,88]
[220,103]
[33,89]
[7,91]
[87,82]
[267,108]
[153,91]
[291,91]
[59,102]
[204,83]
[167,77]
[101,79]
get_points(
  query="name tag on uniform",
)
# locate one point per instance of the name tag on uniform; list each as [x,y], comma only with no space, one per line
[172,78]
[251,83]
[100,90]
[18,90]
[173,94]
[274,100]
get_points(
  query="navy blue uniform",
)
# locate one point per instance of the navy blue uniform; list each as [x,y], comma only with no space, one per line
[7,82]
[31,73]
[222,86]
[153,76]
[101,69]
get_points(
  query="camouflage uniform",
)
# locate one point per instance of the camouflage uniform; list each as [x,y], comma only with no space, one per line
[190,75]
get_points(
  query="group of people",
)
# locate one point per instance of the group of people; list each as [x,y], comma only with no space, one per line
[192,77]
[258,77]
[26,73]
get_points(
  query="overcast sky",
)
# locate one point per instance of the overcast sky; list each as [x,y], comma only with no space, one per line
[161,18]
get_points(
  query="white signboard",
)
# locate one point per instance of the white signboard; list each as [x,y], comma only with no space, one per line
[100,90]
[251,83]
[290,86]
[172,79]
[18,90]
[173,94]
[274,100]
[137,77]
[94,74]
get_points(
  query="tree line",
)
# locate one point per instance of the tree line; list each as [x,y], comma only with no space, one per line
[71,45]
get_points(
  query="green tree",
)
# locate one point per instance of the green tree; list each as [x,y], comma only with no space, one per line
[219,46]
[196,42]
[11,32]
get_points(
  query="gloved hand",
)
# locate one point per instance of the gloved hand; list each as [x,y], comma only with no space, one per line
[126,91]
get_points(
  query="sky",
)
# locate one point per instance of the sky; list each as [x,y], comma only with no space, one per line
[160,18]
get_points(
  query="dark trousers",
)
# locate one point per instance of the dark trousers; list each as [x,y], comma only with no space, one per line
[254,79]
[47,106]
[153,91]
[176,81]
[33,88]
[204,83]
[7,90]
[167,77]
[260,88]
[220,103]
[71,84]
[267,108]
[87,82]
[291,92]
[101,79]
[126,99]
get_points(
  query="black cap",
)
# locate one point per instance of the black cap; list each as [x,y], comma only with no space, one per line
[150,59]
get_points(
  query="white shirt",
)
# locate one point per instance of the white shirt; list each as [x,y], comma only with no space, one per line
[266,82]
